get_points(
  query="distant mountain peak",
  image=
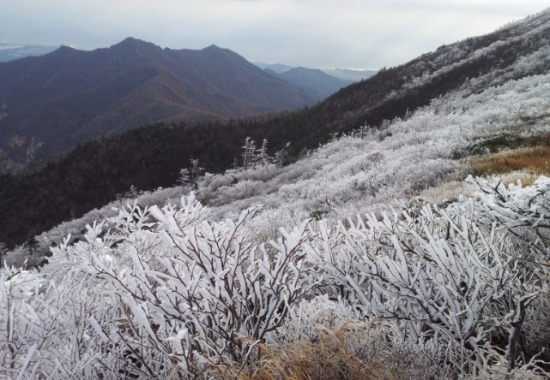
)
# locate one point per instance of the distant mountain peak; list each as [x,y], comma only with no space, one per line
[64,49]
[216,52]
[134,45]
[132,41]
[213,47]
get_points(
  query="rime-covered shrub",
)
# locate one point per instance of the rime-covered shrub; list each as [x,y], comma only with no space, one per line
[447,278]
[185,295]
[168,293]
[44,332]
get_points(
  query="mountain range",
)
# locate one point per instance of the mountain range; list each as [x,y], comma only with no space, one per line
[314,81]
[349,75]
[149,157]
[51,102]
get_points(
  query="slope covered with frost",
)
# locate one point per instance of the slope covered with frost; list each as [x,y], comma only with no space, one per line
[168,293]
[377,247]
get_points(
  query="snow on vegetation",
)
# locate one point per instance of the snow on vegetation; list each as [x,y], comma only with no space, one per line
[374,256]
[167,293]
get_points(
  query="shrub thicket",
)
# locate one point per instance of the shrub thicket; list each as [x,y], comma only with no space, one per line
[167,293]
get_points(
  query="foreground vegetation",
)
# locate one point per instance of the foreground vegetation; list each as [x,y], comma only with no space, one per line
[167,293]
[376,255]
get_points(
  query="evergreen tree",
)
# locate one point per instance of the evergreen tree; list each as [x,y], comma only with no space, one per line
[196,171]
[262,156]
[249,153]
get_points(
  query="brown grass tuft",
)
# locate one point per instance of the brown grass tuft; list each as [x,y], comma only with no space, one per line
[534,160]
[347,353]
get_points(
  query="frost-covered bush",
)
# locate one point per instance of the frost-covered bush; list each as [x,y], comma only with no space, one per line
[447,278]
[523,211]
[44,332]
[19,256]
[185,295]
[168,293]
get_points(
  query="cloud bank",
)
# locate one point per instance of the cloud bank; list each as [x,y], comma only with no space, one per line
[313,33]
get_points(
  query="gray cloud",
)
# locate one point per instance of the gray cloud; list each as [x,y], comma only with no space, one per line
[314,33]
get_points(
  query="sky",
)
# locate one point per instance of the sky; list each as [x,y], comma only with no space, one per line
[367,34]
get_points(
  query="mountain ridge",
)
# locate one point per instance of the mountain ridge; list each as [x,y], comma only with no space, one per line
[69,96]
[314,81]
[150,157]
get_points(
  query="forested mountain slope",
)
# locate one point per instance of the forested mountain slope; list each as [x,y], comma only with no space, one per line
[96,172]
[51,102]
[314,81]
[376,255]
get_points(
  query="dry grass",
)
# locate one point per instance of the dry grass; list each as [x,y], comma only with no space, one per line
[535,160]
[350,352]
[525,164]
[325,359]
[445,192]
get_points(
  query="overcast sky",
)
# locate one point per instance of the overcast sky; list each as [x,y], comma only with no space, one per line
[311,33]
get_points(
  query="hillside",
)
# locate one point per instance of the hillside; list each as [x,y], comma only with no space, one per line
[153,156]
[52,102]
[314,81]
[415,249]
